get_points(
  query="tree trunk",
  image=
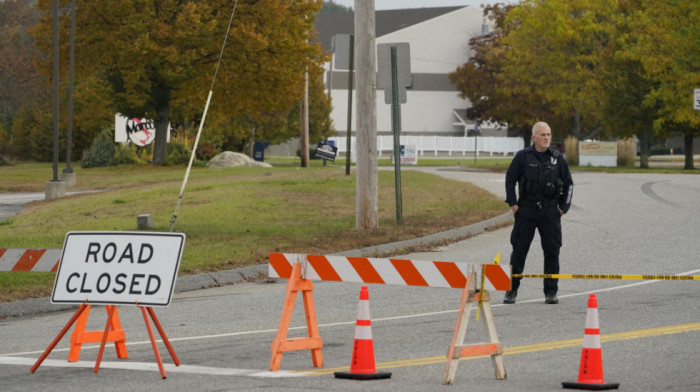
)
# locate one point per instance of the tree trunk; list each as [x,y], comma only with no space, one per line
[160,146]
[251,143]
[688,151]
[305,124]
[576,124]
[643,136]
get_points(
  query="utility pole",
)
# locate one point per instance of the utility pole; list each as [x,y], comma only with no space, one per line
[55,188]
[68,175]
[366,197]
[305,123]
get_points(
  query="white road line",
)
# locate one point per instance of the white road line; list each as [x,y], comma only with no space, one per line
[8,358]
[152,367]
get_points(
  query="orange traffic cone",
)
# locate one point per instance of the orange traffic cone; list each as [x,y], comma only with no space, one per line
[590,373]
[362,366]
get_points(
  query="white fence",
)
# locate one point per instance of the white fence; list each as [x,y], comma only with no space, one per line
[443,144]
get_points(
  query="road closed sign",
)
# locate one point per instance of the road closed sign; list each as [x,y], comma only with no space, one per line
[118,268]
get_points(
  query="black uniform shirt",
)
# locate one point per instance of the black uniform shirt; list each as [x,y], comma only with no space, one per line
[516,170]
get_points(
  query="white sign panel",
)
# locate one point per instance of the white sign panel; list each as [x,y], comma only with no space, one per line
[696,101]
[140,131]
[118,268]
[597,154]
[407,155]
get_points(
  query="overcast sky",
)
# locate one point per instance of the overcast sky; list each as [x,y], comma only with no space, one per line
[399,4]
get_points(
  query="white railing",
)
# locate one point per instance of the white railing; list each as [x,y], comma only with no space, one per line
[443,144]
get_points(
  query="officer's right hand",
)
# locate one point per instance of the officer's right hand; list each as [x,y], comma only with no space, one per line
[514,207]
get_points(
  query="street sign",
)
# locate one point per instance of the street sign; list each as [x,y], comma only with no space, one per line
[326,151]
[118,268]
[341,48]
[696,101]
[403,68]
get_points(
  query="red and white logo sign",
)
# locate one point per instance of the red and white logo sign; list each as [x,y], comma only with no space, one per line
[141,132]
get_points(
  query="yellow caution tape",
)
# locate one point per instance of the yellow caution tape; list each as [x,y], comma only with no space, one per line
[618,277]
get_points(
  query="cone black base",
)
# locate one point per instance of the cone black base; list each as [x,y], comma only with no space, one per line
[590,387]
[363,376]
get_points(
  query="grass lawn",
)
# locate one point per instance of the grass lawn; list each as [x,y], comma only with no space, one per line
[231,217]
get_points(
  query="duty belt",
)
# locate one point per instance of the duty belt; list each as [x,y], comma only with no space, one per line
[537,204]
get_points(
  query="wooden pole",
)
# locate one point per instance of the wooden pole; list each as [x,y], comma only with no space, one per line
[366,202]
[305,123]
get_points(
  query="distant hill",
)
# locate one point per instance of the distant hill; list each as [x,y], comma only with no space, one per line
[331,7]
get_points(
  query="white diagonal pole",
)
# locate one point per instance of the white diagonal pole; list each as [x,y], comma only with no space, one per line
[173,218]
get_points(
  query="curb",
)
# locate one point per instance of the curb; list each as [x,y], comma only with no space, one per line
[226,277]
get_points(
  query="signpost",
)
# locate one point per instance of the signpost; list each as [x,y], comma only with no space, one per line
[394,77]
[345,59]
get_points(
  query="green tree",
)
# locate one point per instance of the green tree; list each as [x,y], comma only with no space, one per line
[666,41]
[158,57]
[330,6]
[20,84]
[552,56]
[492,94]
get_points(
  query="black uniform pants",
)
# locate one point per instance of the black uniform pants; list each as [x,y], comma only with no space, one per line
[548,222]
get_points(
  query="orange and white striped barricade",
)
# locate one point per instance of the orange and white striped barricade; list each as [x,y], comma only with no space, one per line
[386,271]
[380,271]
[40,260]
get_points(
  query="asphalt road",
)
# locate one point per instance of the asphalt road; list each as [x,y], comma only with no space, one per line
[619,224]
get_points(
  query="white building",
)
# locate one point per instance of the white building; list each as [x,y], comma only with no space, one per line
[439,43]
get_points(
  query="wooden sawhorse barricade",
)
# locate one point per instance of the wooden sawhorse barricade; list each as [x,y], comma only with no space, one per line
[112,333]
[458,349]
[313,342]
[302,269]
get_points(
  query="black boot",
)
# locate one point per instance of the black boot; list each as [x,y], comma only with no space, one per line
[510,297]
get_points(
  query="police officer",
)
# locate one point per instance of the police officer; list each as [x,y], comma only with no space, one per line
[545,189]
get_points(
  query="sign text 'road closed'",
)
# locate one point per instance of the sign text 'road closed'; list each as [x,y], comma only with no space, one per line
[118,268]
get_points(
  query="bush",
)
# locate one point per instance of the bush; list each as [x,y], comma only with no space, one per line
[128,154]
[101,151]
[626,152]
[571,148]
[206,151]
[659,149]
[178,153]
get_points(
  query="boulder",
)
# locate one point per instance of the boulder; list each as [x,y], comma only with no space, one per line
[234,159]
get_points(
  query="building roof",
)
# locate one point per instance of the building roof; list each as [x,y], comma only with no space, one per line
[329,24]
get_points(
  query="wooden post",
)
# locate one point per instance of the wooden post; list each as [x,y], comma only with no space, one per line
[366,189]
[80,335]
[305,123]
